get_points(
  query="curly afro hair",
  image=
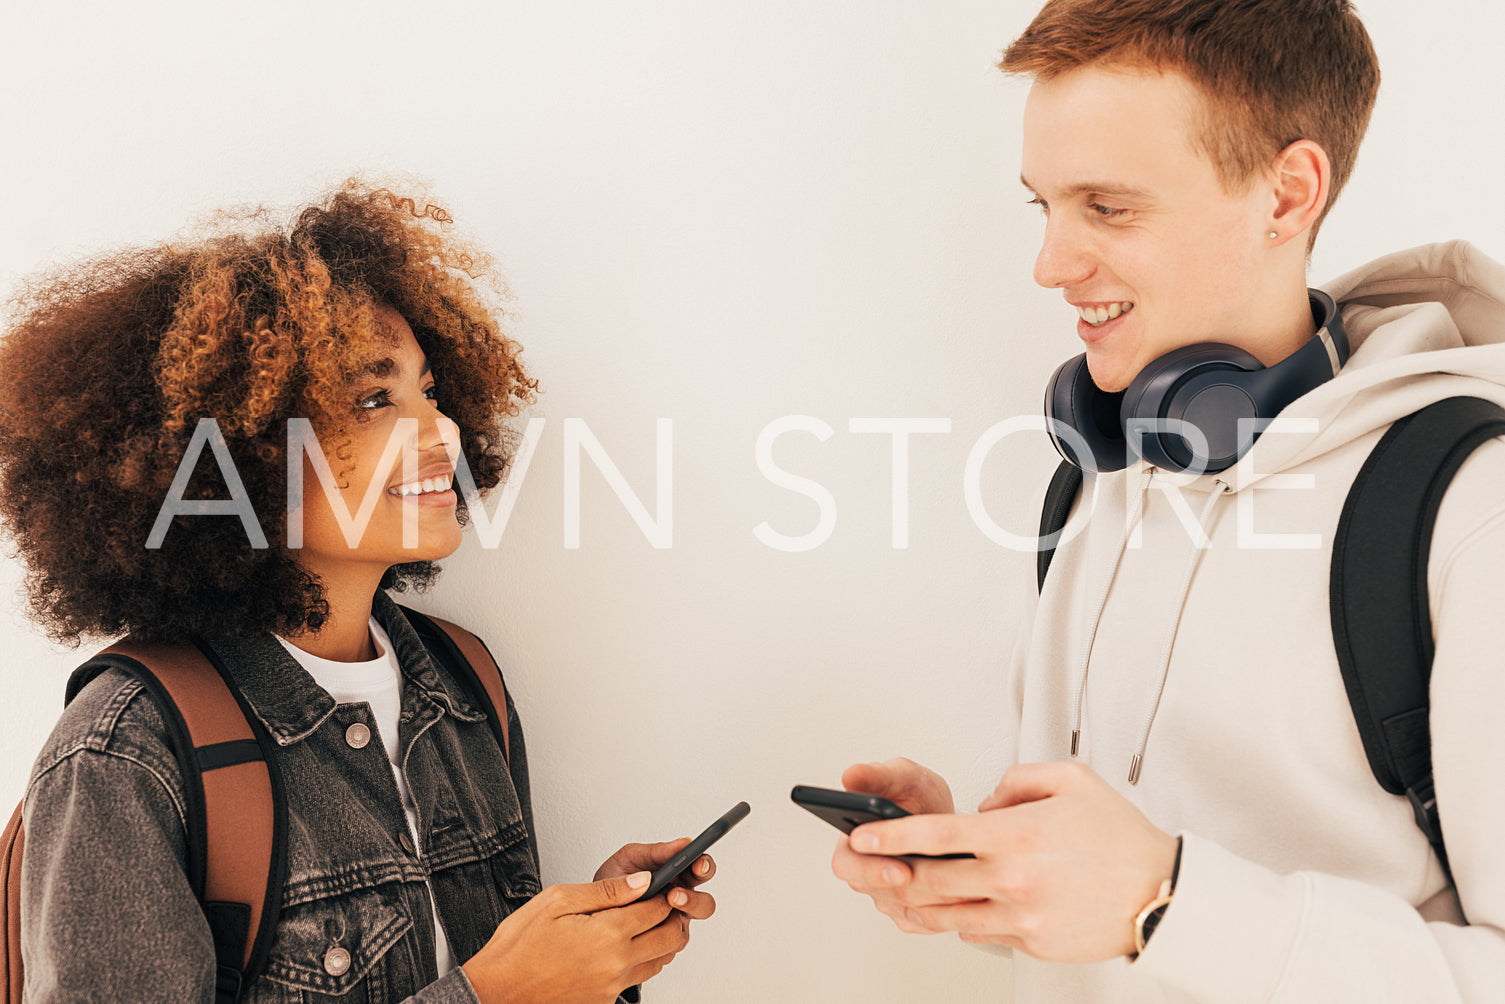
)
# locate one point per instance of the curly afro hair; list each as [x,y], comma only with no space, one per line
[108,366]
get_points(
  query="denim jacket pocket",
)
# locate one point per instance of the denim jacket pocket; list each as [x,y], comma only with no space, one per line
[339,948]
[513,871]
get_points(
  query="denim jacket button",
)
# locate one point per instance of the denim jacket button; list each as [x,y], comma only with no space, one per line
[336,962]
[407,843]
[357,736]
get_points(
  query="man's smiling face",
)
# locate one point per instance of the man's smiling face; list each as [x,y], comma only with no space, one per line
[1140,235]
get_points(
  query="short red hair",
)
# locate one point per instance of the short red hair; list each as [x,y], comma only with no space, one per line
[1271,71]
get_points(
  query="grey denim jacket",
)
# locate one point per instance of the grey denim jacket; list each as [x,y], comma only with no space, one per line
[107,913]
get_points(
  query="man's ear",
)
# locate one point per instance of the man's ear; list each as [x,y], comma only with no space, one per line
[1302,177]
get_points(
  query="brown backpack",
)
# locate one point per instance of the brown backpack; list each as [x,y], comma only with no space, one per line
[236,826]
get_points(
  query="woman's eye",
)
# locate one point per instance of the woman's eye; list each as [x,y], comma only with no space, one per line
[1037,201]
[383,398]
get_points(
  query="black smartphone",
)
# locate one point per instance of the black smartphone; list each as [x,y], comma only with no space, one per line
[671,869]
[847,810]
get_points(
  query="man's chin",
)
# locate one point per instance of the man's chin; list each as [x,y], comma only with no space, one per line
[1109,375]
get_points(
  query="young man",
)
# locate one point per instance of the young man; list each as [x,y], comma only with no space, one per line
[1181,721]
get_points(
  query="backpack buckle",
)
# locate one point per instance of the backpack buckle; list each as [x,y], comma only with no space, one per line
[227,984]
[1423,801]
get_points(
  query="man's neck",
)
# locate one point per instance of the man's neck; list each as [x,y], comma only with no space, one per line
[1289,326]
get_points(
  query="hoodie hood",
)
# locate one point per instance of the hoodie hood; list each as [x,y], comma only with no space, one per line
[1301,876]
[1423,324]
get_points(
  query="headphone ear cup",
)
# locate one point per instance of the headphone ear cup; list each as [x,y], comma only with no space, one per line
[1165,391]
[1075,402]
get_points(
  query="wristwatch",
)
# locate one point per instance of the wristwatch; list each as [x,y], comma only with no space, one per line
[1149,918]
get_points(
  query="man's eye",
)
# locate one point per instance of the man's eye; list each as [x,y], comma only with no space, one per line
[1037,201]
[1106,211]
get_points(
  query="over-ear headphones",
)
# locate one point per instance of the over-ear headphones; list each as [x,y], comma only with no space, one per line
[1203,391]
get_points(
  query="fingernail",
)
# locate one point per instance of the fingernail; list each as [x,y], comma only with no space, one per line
[864,843]
[678,897]
[913,916]
[892,875]
[637,880]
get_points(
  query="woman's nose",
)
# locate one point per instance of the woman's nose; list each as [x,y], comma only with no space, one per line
[437,431]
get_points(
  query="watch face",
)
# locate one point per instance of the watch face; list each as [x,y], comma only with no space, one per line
[1152,921]
[1149,918]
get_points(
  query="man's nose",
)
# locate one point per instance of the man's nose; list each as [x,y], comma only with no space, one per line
[1064,258]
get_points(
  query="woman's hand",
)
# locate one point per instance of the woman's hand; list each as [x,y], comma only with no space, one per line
[578,944]
[640,857]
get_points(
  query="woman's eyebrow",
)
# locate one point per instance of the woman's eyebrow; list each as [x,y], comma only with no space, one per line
[389,367]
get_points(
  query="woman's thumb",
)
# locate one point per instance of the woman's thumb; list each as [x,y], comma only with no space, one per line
[619,890]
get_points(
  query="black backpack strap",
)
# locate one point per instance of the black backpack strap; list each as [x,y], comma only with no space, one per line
[1065,485]
[236,826]
[1382,623]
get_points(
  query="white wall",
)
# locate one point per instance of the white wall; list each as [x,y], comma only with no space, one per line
[718,214]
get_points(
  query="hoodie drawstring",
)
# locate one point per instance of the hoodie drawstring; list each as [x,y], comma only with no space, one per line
[1222,488]
[1102,601]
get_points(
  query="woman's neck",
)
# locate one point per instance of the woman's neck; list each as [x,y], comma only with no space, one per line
[346,635]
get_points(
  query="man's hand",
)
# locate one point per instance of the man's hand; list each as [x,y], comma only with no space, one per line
[887,880]
[918,789]
[1064,863]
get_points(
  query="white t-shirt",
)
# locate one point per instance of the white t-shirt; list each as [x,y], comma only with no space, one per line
[378,684]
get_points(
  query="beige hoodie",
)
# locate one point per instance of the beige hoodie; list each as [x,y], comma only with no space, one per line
[1301,880]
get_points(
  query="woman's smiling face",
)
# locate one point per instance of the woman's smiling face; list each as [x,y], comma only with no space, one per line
[396,473]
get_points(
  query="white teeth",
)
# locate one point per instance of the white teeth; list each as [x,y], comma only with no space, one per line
[439,484]
[1095,315]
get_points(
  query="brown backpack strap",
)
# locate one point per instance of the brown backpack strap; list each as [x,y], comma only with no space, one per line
[10,918]
[236,827]
[482,666]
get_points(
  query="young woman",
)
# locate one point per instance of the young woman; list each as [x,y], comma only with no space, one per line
[412,870]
